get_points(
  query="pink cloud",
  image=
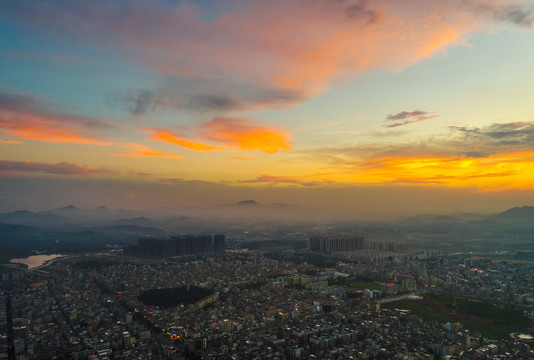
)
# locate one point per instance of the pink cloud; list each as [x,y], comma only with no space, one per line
[172,138]
[409,117]
[63,168]
[256,53]
[136,150]
[32,118]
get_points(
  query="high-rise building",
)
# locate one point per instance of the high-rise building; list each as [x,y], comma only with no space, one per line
[335,243]
[219,243]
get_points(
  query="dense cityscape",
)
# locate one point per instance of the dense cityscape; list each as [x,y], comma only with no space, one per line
[290,305]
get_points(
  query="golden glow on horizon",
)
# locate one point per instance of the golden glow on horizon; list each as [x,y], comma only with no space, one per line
[492,173]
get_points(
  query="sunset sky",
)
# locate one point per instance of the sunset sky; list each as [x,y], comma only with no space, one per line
[345,107]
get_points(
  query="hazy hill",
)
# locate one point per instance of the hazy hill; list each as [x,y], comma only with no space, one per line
[65,215]
[248,203]
[137,221]
[432,218]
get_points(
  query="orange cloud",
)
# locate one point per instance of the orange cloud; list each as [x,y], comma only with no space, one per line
[137,150]
[246,135]
[31,118]
[167,136]
[240,133]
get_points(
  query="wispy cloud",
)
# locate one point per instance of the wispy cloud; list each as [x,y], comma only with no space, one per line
[142,175]
[519,15]
[9,142]
[262,53]
[63,168]
[208,95]
[136,150]
[32,118]
[513,133]
[409,117]
[284,180]
[172,138]
[459,142]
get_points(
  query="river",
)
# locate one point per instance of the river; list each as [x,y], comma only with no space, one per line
[35,260]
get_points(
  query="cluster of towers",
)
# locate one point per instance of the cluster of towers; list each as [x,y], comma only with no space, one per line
[178,245]
[338,243]
[335,243]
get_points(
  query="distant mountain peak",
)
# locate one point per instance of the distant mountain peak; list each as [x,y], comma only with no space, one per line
[247,203]
[519,209]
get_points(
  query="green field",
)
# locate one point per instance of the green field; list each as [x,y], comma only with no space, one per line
[494,321]
[356,283]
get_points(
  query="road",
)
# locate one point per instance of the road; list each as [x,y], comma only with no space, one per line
[9,316]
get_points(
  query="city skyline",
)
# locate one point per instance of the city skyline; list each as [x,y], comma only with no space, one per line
[333,106]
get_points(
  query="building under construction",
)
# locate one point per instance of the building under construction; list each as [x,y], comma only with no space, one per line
[335,243]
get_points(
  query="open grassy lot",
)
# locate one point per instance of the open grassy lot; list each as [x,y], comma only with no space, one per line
[492,320]
[356,283]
